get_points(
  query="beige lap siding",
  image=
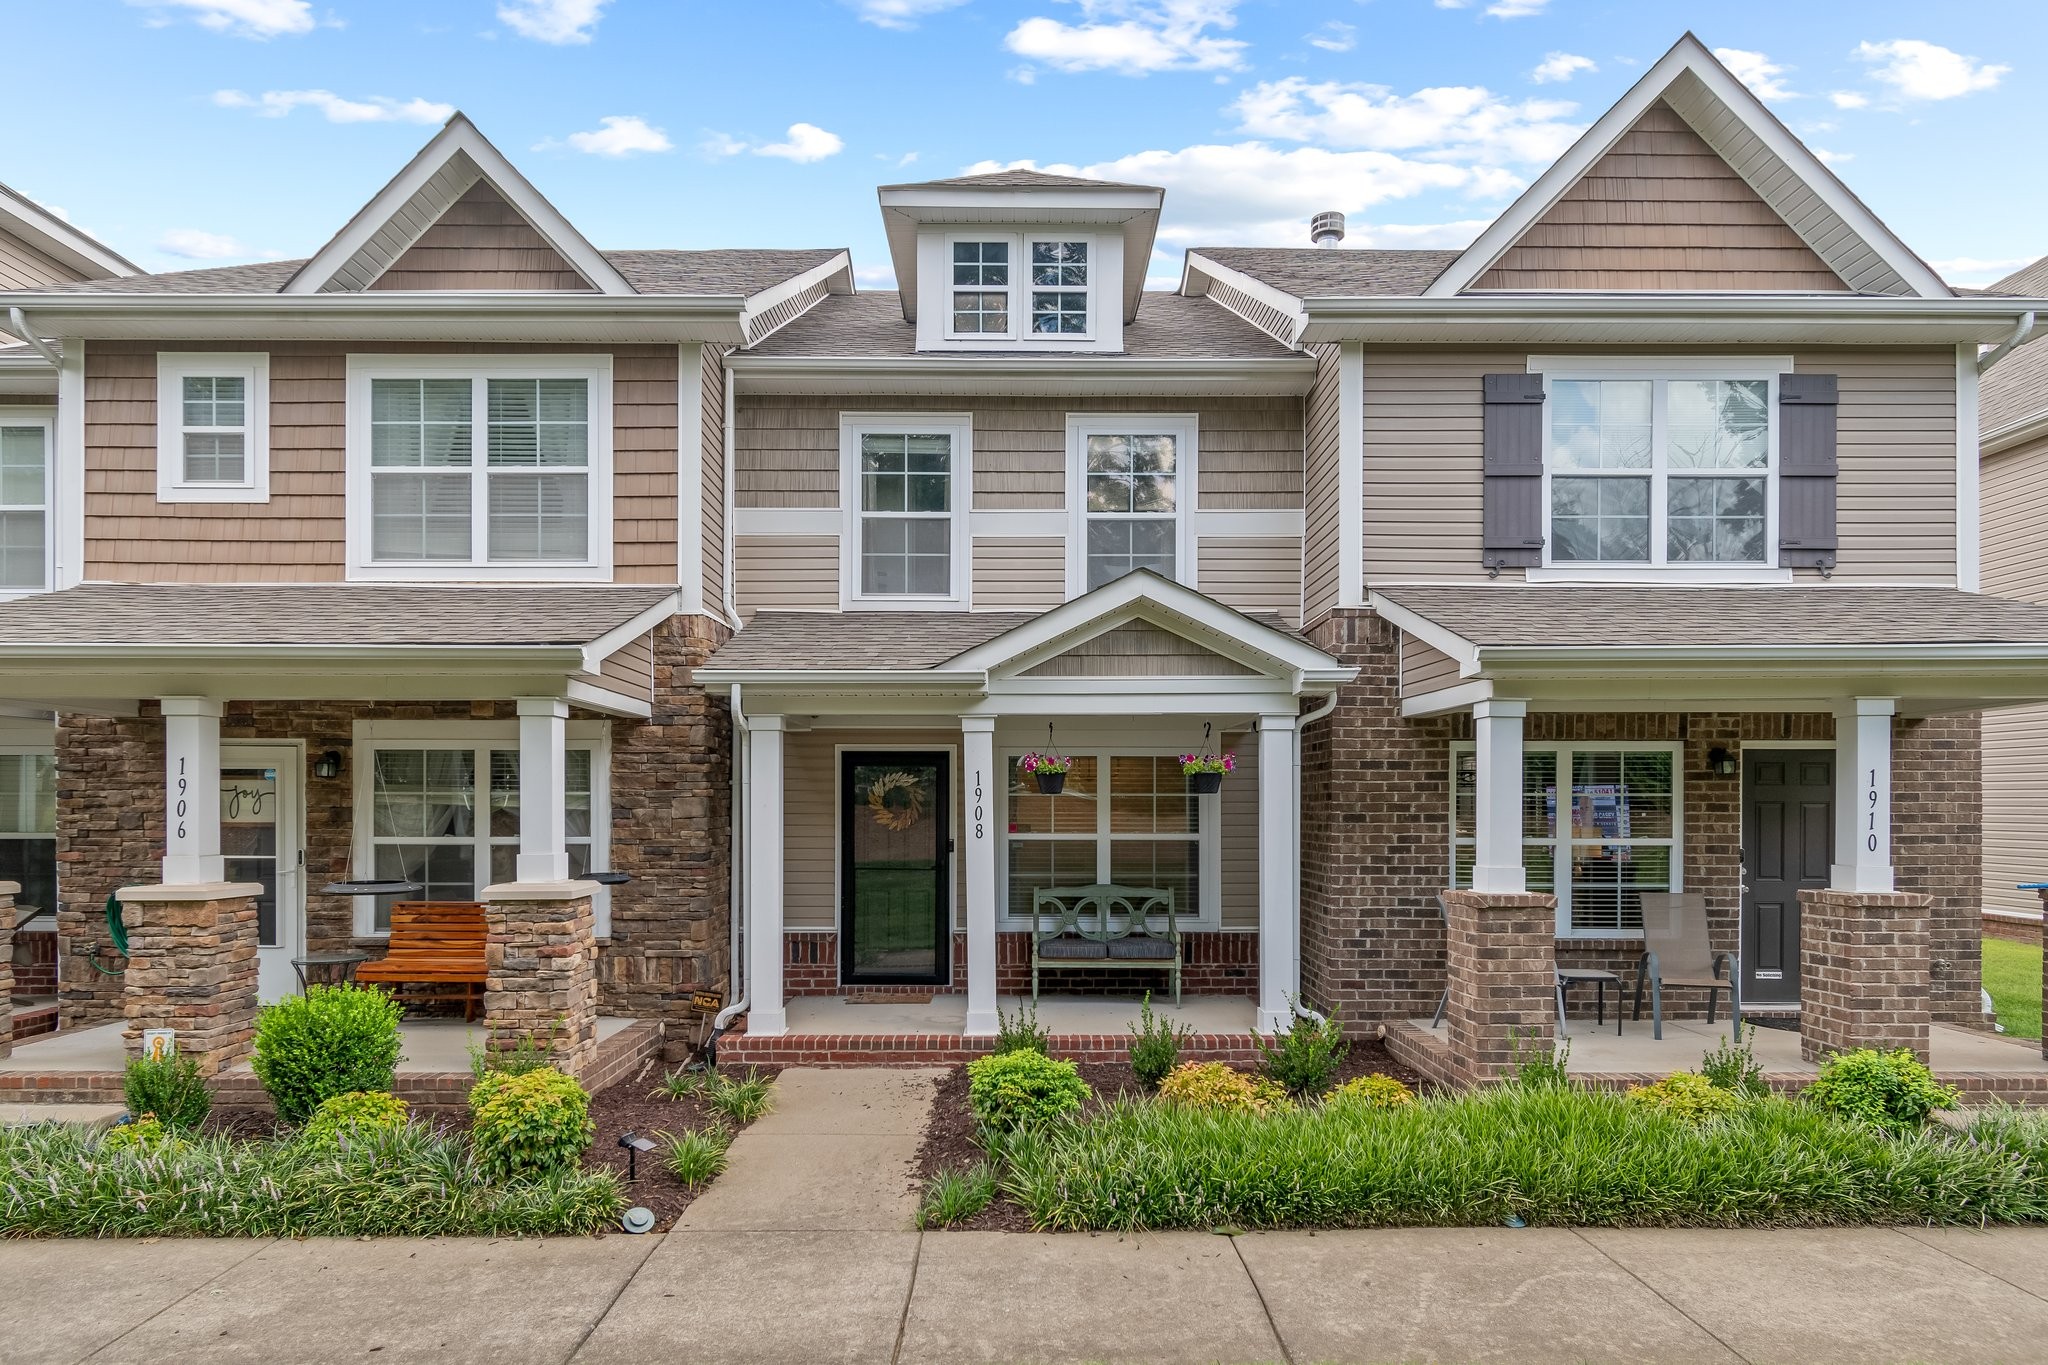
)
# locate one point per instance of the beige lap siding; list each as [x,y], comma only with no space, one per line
[1424,669]
[791,573]
[1019,573]
[1252,573]
[711,415]
[1424,428]
[24,267]
[2016,741]
[299,534]
[811,815]
[1321,524]
[1239,833]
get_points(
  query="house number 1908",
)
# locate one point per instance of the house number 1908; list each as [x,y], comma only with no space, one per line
[980,816]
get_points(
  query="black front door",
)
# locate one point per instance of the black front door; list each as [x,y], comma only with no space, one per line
[1788,832]
[895,913]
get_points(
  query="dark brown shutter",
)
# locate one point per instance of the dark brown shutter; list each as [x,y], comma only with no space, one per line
[1806,471]
[1514,471]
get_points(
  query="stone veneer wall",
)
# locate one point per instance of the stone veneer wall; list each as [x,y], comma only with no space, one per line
[671,798]
[1376,803]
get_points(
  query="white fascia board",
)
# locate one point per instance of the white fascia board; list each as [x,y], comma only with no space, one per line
[921,681]
[591,697]
[1447,699]
[1681,318]
[569,657]
[459,135]
[22,217]
[1688,54]
[1439,638]
[995,373]
[619,636]
[1198,266]
[768,299]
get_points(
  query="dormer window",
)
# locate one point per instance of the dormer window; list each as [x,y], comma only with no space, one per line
[1019,287]
[1059,288]
[981,288]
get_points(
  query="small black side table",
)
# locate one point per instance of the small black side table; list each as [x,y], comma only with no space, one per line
[332,969]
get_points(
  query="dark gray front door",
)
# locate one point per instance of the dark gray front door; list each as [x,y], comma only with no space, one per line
[895,914]
[1788,823]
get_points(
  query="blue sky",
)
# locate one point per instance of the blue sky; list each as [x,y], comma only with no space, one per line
[195,132]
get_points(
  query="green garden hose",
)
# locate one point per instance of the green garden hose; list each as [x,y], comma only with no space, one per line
[118,932]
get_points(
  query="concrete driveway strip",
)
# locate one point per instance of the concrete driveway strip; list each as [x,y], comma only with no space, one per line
[448,1301]
[1164,1297]
[1463,1294]
[761,1297]
[1812,1297]
[64,1300]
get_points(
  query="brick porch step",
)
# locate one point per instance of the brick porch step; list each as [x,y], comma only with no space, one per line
[950,1049]
[32,1021]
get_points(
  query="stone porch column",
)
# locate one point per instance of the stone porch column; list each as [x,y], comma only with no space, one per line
[8,891]
[978,775]
[1501,961]
[192,963]
[1279,779]
[1863,971]
[540,968]
[765,1015]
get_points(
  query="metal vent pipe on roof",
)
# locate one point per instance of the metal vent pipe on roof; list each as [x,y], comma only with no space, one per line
[1327,228]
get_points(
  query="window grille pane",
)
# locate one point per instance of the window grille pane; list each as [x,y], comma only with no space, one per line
[1608,881]
[1171,864]
[1059,265]
[1619,795]
[1600,423]
[23,559]
[906,555]
[213,457]
[1059,313]
[1600,520]
[22,461]
[1039,863]
[1071,812]
[419,422]
[423,793]
[1148,794]
[1717,521]
[539,422]
[214,401]
[576,781]
[981,312]
[447,870]
[539,517]
[1718,424]
[1116,547]
[28,795]
[419,516]
[982,263]
[504,819]
[1539,794]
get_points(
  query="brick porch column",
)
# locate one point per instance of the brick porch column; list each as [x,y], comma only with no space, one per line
[192,968]
[1864,975]
[1502,967]
[540,968]
[8,891]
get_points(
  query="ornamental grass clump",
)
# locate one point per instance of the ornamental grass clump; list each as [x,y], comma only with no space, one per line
[327,1042]
[696,1155]
[1216,1087]
[1893,1091]
[1013,1090]
[1685,1095]
[359,1116]
[740,1100]
[170,1088]
[535,1123]
[955,1196]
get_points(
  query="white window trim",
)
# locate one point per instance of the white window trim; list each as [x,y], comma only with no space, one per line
[43,923]
[46,418]
[478,368]
[1020,333]
[1185,427]
[1564,749]
[481,736]
[172,369]
[852,426]
[1208,839]
[1654,369]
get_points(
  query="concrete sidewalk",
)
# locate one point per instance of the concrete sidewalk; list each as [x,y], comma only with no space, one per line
[861,1294]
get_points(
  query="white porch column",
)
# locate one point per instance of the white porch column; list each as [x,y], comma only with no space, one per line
[543,790]
[1497,804]
[191,791]
[978,775]
[765,1015]
[1279,869]
[1863,795]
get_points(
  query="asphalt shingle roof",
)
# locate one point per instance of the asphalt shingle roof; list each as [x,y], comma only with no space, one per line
[1318,272]
[1018,180]
[2017,386]
[876,639]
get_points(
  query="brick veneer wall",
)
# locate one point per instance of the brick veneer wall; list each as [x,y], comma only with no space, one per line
[7,961]
[1863,966]
[35,961]
[1502,987]
[1212,963]
[1938,852]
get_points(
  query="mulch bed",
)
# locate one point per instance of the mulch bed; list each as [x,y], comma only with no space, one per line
[950,1136]
[630,1106]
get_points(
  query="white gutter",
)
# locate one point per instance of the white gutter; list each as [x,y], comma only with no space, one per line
[2002,349]
[986,371]
[17,322]
[1340,318]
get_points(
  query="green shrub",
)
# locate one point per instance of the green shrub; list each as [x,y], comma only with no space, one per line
[1372,1092]
[143,1133]
[1009,1090]
[327,1042]
[1540,1065]
[1890,1090]
[1304,1060]
[170,1088]
[742,1101]
[1214,1086]
[416,1182]
[360,1115]
[1155,1045]
[1685,1095]
[1019,1032]
[679,1084]
[696,1155]
[527,1053]
[955,1196]
[1733,1066]
[531,1124]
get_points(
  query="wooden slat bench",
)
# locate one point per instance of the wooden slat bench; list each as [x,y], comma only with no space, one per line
[1137,942]
[437,952]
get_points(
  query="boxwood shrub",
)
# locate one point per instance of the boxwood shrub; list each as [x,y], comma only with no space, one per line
[327,1042]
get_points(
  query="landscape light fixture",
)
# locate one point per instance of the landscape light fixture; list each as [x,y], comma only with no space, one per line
[634,1145]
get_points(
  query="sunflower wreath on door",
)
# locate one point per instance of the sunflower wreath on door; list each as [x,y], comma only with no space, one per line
[898,800]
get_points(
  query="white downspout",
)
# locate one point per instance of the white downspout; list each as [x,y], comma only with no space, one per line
[2004,348]
[18,321]
[735,896]
[732,601]
[1303,1011]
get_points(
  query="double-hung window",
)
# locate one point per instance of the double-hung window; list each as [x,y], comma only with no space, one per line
[1124,818]
[1614,835]
[1131,485]
[28,829]
[981,288]
[25,559]
[907,485]
[1668,470]
[213,426]
[1012,285]
[477,467]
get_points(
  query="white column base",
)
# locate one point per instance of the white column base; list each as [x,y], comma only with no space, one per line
[980,1024]
[767,1023]
[1273,1021]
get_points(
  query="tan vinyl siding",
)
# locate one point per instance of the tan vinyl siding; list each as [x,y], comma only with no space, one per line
[1250,456]
[2015,502]
[712,447]
[24,267]
[2015,806]
[1137,650]
[1252,573]
[627,672]
[810,832]
[792,573]
[1425,668]
[1019,573]
[1321,526]
[1661,210]
[299,535]
[1239,835]
[481,242]
[1424,428]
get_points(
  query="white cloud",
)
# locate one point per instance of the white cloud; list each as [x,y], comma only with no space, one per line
[616,135]
[374,109]
[1134,37]
[1561,66]
[1928,71]
[1848,99]
[1758,72]
[805,142]
[242,18]
[875,276]
[1828,158]
[1335,36]
[1977,271]
[1443,123]
[1501,9]
[899,14]
[559,22]
[195,245]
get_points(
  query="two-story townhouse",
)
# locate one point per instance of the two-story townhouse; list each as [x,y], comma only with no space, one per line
[1630,550]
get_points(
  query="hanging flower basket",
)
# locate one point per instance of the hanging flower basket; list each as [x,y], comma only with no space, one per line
[1204,772]
[1049,769]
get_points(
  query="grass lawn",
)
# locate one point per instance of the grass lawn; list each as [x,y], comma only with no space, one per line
[2012,973]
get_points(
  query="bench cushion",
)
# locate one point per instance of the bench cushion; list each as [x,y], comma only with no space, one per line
[1146,949]
[1071,950]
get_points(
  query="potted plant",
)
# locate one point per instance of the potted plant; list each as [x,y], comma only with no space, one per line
[1204,772]
[1049,769]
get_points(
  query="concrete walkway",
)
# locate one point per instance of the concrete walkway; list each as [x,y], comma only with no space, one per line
[1867,1295]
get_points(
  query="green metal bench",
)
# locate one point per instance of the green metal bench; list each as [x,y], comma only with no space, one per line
[1136,942]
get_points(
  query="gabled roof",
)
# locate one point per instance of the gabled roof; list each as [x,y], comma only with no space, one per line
[1797,185]
[23,218]
[1310,272]
[1018,179]
[445,169]
[2012,401]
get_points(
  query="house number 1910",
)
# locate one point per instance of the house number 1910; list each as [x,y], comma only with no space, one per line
[1870,802]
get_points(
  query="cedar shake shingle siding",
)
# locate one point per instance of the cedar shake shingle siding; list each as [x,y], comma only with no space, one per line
[711,500]
[481,242]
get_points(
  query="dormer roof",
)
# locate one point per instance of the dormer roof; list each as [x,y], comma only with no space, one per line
[28,222]
[1020,179]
